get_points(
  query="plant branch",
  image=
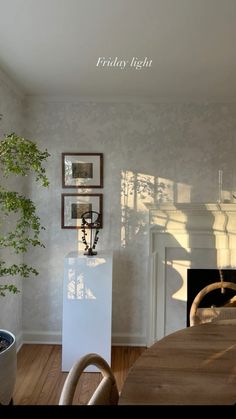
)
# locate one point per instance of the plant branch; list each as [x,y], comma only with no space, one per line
[20,156]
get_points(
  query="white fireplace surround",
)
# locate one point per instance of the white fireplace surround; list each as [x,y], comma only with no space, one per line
[182,236]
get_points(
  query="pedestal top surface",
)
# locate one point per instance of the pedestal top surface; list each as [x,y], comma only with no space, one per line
[80,254]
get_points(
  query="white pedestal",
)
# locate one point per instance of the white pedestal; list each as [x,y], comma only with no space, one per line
[87,301]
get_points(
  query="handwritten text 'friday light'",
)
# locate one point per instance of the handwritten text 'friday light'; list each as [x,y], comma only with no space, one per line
[135,63]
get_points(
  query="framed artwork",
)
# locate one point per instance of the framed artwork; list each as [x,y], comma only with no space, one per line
[82,170]
[74,205]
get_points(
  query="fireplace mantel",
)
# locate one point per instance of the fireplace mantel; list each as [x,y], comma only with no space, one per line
[182,236]
[192,217]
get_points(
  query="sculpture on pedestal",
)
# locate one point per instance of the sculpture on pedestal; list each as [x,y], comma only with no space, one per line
[91,222]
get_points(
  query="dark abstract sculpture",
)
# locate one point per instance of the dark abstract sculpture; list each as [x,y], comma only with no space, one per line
[91,221]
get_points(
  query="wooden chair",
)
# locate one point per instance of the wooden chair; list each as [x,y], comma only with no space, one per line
[106,392]
[205,315]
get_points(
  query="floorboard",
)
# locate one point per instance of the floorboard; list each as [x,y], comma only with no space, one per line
[40,380]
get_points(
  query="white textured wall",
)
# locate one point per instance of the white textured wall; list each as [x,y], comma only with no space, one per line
[11,106]
[152,153]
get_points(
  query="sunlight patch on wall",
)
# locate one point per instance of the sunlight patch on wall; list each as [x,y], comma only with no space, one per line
[183,192]
[139,193]
[137,190]
[80,244]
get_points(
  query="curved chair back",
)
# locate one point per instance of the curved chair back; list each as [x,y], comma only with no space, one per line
[222,312]
[106,392]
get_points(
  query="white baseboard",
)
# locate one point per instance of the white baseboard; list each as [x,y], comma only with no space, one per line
[33,336]
[19,341]
[128,339]
[55,338]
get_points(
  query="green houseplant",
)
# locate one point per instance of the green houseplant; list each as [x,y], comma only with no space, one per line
[19,228]
[19,156]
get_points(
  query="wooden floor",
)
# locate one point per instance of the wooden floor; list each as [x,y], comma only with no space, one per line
[40,380]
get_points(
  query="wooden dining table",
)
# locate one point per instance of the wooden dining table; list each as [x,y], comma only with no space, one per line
[193,366]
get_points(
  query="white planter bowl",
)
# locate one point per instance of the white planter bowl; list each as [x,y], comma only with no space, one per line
[7,368]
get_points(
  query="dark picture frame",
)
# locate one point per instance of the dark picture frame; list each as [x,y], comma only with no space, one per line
[82,170]
[75,204]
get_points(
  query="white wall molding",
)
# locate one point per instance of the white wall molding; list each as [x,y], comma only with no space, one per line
[128,99]
[128,339]
[55,338]
[35,336]
[19,341]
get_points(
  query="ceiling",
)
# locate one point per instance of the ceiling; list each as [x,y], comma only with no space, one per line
[51,47]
